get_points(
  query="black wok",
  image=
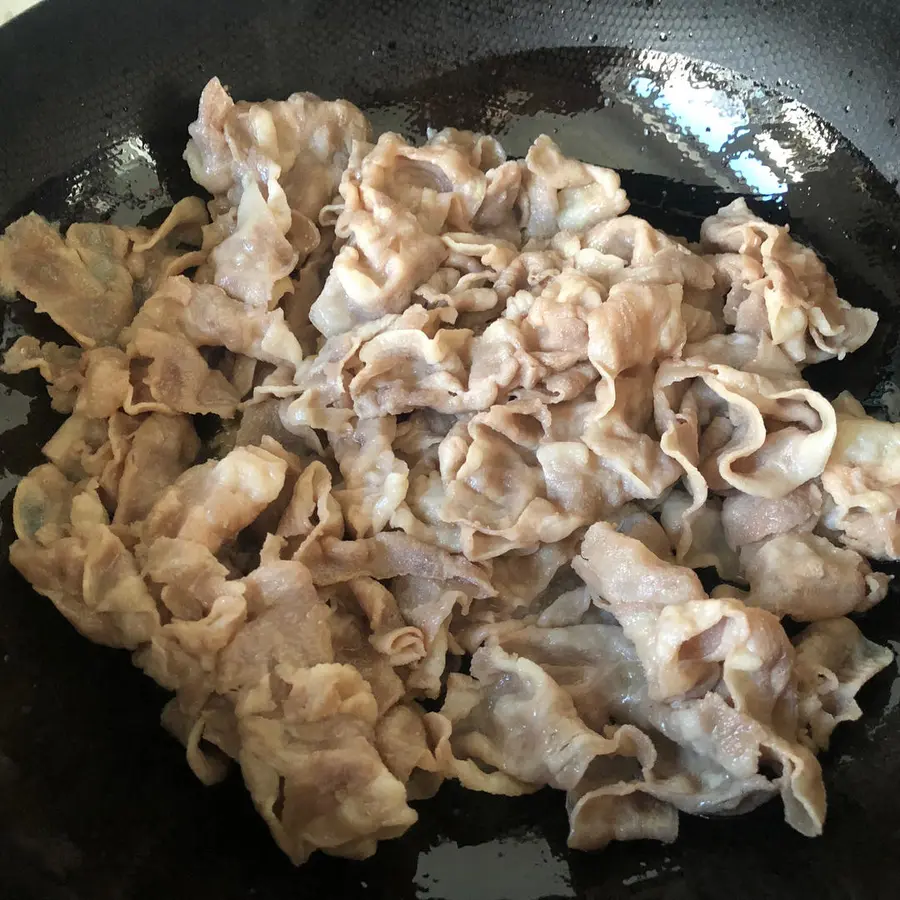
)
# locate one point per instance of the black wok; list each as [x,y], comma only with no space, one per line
[96,801]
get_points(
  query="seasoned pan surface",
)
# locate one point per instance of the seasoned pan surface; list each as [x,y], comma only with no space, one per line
[96,800]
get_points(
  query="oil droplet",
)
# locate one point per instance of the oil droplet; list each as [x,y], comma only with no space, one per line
[663,36]
[592,38]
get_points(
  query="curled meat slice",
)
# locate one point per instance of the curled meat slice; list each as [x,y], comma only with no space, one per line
[312,511]
[272,166]
[402,742]
[684,639]
[834,660]
[497,488]
[81,282]
[105,383]
[428,605]
[287,627]
[396,201]
[406,370]
[158,452]
[188,576]
[513,718]
[862,482]
[708,757]
[437,182]
[303,141]
[524,473]
[556,316]
[521,579]
[649,255]
[81,448]
[323,381]
[733,429]
[68,552]
[350,638]
[708,545]
[638,323]
[212,502]
[806,577]
[308,758]
[389,554]
[60,367]
[419,515]
[391,636]
[168,374]
[763,438]
[798,304]
[375,481]
[559,193]
[184,653]
[375,275]
[208,317]
[747,519]
[608,564]
[253,263]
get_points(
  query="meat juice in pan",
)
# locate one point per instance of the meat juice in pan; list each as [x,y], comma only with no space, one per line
[686,139]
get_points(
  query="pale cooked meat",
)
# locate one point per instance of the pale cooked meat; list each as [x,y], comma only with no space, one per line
[708,545]
[322,384]
[272,167]
[834,660]
[402,741]
[799,305]
[526,473]
[67,550]
[708,756]
[393,210]
[309,760]
[649,256]
[349,637]
[374,480]
[513,718]
[747,519]
[429,605]
[82,285]
[403,644]
[473,419]
[685,640]
[786,573]
[608,563]
[161,448]
[763,436]
[638,323]
[106,383]
[212,502]
[60,367]
[307,139]
[287,627]
[254,262]
[563,194]
[82,448]
[168,374]
[390,554]
[208,317]
[862,482]
[312,512]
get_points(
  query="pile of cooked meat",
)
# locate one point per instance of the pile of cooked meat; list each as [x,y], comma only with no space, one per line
[478,427]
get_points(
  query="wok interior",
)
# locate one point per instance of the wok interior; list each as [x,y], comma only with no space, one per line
[71,686]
